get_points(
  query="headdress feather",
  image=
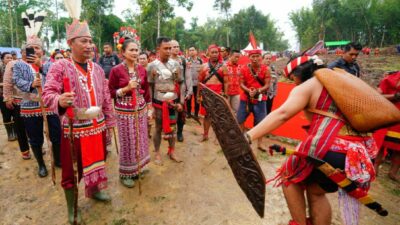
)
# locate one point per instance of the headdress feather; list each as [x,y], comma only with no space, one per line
[32,22]
[74,8]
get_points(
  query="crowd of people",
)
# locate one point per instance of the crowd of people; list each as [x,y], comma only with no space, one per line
[82,100]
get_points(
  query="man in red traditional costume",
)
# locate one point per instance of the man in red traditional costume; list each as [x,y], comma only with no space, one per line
[233,80]
[81,84]
[165,78]
[329,138]
[390,89]
[212,74]
[255,82]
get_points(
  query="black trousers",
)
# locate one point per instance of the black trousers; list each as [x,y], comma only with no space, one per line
[196,104]
[6,113]
[34,129]
[270,101]
[19,125]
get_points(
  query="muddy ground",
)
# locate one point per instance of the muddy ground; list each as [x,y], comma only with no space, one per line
[201,190]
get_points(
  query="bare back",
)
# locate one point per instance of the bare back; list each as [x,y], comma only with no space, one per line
[303,96]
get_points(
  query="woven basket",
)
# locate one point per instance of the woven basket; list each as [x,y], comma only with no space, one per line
[363,106]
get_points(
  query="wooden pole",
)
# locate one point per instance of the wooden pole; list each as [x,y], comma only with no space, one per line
[11,23]
[46,131]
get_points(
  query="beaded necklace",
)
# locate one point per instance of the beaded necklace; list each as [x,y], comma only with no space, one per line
[83,78]
[133,75]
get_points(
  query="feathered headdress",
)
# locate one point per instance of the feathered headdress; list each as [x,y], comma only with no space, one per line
[253,43]
[32,23]
[77,28]
[126,33]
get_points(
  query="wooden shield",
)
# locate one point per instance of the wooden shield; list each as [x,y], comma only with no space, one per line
[237,151]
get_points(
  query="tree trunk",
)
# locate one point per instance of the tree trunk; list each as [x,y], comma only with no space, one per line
[158,18]
[11,23]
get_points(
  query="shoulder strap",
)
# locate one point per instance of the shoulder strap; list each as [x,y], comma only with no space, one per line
[254,74]
[214,72]
[324,113]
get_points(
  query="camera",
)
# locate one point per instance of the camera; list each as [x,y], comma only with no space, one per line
[30,51]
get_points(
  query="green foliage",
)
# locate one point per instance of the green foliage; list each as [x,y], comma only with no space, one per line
[17,7]
[263,27]
[374,23]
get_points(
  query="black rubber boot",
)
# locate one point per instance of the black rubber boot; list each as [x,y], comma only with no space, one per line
[179,135]
[10,134]
[69,196]
[14,131]
[37,151]
[56,155]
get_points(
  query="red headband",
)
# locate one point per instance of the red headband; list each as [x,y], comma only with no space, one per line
[218,49]
[254,51]
[213,46]
[295,63]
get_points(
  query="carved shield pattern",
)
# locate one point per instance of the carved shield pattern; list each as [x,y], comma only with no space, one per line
[237,151]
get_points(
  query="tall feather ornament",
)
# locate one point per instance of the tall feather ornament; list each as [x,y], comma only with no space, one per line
[74,8]
[39,17]
[32,22]
[27,25]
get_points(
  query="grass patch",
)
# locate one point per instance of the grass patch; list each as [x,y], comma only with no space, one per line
[119,222]
[264,156]
[395,192]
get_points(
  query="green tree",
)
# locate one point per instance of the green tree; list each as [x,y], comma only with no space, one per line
[94,11]
[224,7]
[17,33]
[154,12]
[370,22]
[263,27]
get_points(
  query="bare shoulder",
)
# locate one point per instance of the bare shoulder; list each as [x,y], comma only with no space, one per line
[313,89]
[310,87]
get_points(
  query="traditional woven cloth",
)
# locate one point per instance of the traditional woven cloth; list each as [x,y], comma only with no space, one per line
[128,135]
[131,112]
[23,76]
[91,89]
[322,133]
[76,28]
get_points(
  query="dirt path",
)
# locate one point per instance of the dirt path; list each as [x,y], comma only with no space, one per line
[201,190]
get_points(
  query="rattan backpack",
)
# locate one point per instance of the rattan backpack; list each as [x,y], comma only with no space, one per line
[364,108]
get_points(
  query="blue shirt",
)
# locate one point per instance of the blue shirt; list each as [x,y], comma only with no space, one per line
[352,68]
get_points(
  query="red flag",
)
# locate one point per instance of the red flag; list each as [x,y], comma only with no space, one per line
[252,40]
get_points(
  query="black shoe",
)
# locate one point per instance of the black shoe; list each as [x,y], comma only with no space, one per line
[56,155]
[42,171]
[37,151]
[10,134]
[179,137]
[188,115]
